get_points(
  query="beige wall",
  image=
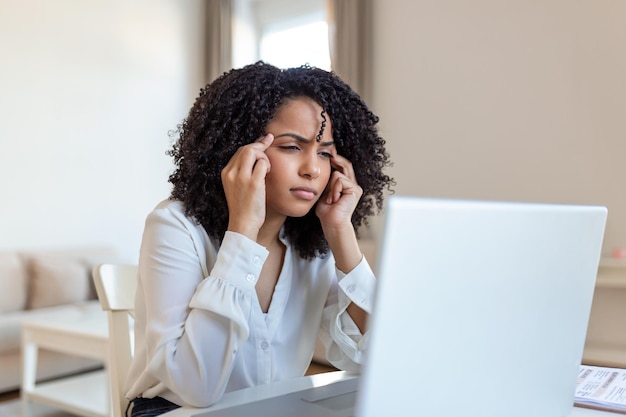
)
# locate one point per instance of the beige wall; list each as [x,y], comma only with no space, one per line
[516,100]
[511,100]
[88,93]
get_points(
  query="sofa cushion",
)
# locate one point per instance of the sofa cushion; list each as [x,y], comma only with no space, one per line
[57,280]
[14,283]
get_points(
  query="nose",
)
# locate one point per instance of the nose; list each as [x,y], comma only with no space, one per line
[310,167]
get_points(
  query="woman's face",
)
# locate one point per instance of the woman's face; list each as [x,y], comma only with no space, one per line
[300,160]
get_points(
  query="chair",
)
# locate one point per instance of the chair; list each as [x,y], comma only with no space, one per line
[116,286]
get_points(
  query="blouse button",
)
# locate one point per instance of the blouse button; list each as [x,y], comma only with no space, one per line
[250,278]
[256,260]
[264,345]
[350,288]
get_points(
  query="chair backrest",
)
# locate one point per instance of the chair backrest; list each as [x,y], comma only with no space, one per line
[116,286]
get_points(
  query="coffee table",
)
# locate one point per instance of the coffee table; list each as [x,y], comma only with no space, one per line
[85,334]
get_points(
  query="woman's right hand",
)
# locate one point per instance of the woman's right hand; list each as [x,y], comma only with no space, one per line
[243,179]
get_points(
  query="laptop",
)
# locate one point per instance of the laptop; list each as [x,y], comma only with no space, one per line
[481,310]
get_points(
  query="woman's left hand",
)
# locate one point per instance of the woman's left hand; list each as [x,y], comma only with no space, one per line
[335,209]
[336,206]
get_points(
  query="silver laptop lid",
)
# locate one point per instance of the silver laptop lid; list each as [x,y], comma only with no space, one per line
[481,308]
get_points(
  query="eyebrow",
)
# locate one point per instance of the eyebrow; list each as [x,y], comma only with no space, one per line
[302,139]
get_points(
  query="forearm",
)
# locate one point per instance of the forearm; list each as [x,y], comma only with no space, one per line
[196,365]
[194,323]
[345,342]
[345,248]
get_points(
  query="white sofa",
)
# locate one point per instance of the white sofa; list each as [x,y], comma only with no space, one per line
[40,284]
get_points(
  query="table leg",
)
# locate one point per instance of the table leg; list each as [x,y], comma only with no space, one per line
[29,371]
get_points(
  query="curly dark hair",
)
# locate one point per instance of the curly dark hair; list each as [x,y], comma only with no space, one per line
[235,109]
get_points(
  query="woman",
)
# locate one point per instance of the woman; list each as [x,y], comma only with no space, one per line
[255,253]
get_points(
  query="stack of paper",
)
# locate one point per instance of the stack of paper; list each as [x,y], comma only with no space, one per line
[603,388]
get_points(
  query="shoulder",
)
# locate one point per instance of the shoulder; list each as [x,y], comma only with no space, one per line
[170,210]
[168,205]
[169,217]
[167,224]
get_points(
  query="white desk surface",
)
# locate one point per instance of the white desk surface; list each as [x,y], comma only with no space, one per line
[285,387]
[262,392]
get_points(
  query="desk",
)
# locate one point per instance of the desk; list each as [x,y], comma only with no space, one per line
[262,392]
[86,335]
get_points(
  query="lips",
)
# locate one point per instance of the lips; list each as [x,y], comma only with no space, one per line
[304,193]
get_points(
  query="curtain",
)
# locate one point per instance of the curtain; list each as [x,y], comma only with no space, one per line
[350,38]
[218,46]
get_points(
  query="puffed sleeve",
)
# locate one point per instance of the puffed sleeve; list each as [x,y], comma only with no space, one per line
[344,343]
[195,324]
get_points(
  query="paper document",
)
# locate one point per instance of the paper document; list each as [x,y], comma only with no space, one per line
[600,387]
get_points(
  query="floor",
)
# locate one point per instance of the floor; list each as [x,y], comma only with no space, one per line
[11,395]
[10,406]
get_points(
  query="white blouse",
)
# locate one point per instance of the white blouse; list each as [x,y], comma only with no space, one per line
[199,327]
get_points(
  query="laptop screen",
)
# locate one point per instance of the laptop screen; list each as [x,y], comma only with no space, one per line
[481,308]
